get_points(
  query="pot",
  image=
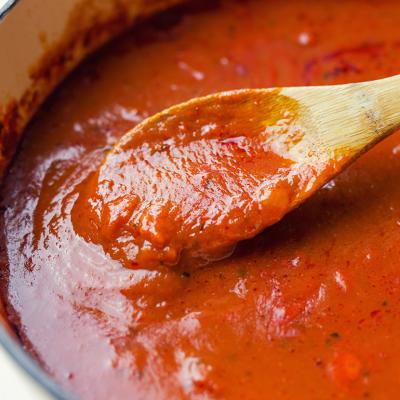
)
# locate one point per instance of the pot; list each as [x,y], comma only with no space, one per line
[40,42]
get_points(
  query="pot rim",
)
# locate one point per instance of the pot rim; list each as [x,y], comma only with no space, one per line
[6,7]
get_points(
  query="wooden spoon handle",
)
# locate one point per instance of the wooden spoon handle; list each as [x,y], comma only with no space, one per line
[349,119]
[384,96]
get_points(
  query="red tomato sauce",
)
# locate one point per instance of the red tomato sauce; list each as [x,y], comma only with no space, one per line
[309,309]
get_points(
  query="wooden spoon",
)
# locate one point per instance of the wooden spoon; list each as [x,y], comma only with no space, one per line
[187,184]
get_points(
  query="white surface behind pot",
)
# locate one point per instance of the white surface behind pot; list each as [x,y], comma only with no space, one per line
[16,384]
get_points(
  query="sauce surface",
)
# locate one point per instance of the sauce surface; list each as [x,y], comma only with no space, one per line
[309,309]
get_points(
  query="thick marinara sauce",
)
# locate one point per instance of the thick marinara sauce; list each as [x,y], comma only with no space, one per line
[310,309]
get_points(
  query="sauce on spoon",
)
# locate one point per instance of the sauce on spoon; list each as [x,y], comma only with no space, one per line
[191,182]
